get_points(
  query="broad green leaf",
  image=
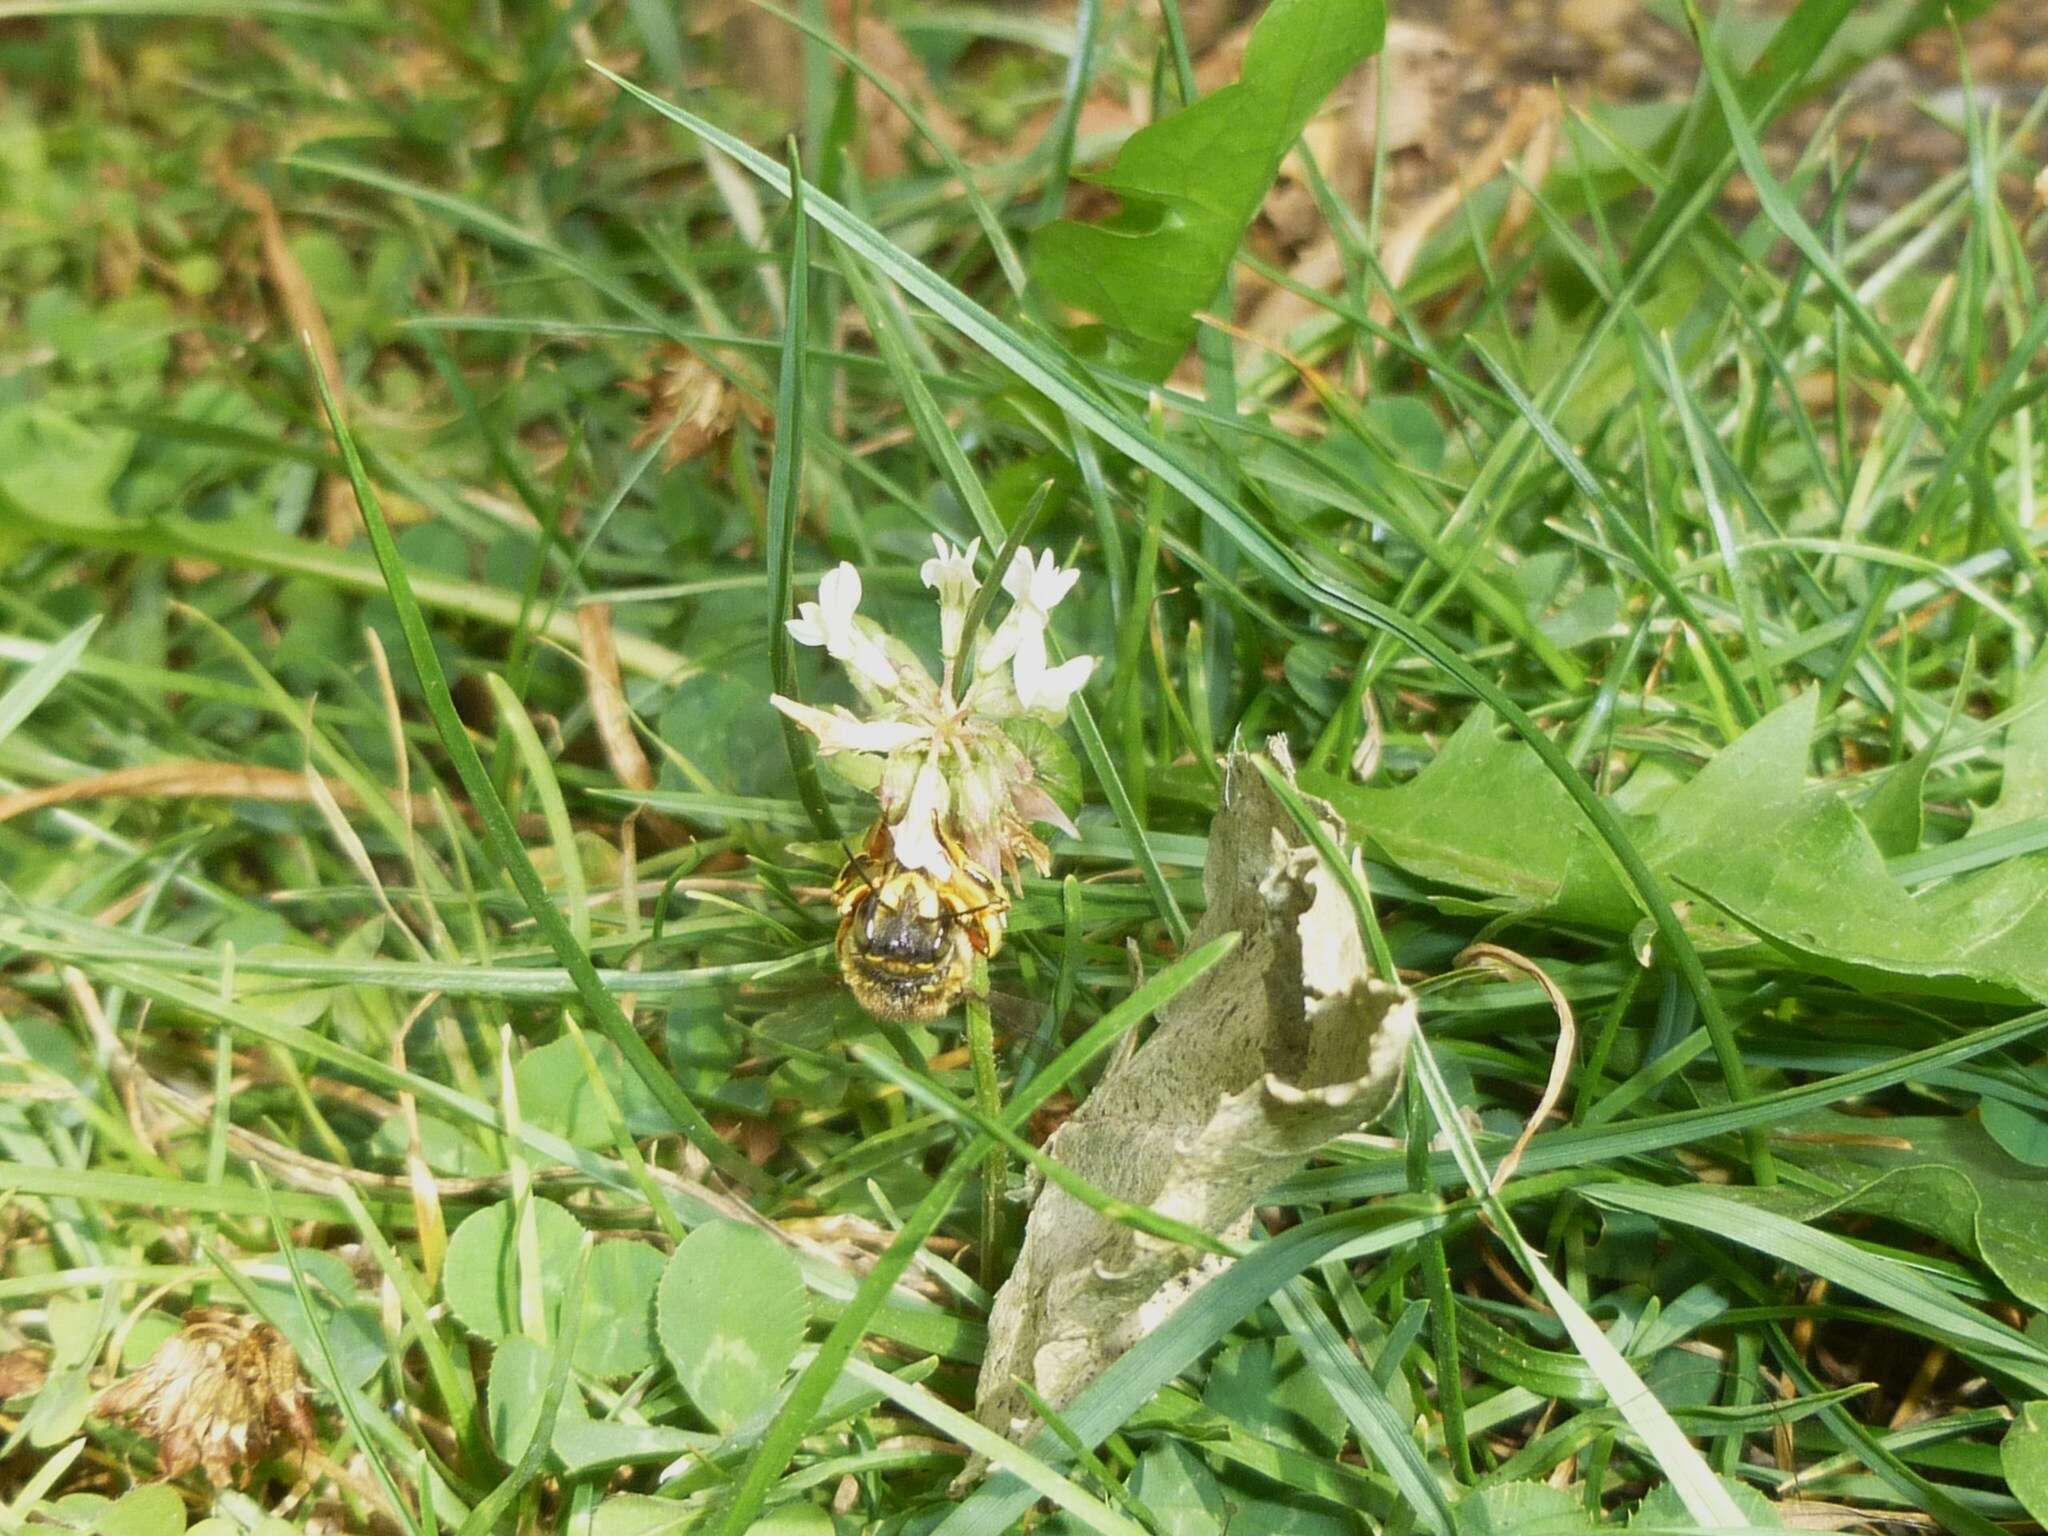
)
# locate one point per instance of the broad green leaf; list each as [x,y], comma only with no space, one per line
[1181,1492]
[1773,856]
[1943,1175]
[1523,1509]
[519,1379]
[1265,1386]
[1190,183]
[555,1093]
[151,1510]
[354,1335]
[590,1445]
[731,1314]
[1663,1510]
[638,1514]
[2023,1455]
[2025,791]
[2020,1131]
[617,1338]
[58,469]
[481,1277]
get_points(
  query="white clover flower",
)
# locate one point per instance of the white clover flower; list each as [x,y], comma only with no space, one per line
[1035,590]
[832,623]
[950,776]
[951,573]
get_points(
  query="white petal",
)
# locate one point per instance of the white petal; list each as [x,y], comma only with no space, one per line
[951,573]
[863,654]
[1017,579]
[840,730]
[808,627]
[839,595]
[1001,645]
[1028,665]
[1050,584]
[1052,688]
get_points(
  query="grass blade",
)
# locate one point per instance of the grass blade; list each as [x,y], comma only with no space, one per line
[503,837]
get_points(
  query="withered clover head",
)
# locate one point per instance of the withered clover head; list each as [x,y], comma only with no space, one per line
[218,1394]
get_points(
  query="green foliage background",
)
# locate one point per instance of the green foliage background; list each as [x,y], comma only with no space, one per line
[1654,587]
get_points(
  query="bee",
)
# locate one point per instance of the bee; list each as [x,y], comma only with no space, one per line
[907,939]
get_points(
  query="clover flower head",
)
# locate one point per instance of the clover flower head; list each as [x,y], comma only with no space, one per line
[950,774]
[218,1394]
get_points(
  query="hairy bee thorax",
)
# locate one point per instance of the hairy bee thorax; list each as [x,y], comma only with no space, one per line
[907,938]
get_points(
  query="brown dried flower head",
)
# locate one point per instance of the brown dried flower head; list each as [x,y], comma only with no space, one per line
[687,400]
[218,1394]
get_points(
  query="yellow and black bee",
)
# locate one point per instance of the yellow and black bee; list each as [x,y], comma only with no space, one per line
[907,939]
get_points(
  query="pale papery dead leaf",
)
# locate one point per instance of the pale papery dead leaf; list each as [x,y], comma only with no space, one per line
[1818,1515]
[1288,1043]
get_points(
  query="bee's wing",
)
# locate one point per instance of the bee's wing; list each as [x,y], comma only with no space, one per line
[1030,1026]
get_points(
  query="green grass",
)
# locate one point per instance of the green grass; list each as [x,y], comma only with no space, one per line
[1682,559]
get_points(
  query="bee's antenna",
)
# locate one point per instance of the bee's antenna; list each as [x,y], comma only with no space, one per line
[853,859]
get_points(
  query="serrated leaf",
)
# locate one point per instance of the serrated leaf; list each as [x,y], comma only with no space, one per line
[1938,1174]
[1522,1509]
[730,1314]
[1773,856]
[617,1336]
[518,1383]
[1190,183]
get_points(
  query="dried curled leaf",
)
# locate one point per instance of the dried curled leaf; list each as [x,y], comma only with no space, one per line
[1288,1043]
[218,1394]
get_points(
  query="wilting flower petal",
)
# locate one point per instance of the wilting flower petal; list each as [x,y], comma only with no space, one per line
[951,573]
[841,730]
[916,832]
[1034,804]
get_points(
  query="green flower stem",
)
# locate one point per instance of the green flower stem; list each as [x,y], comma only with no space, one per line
[988,1098]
